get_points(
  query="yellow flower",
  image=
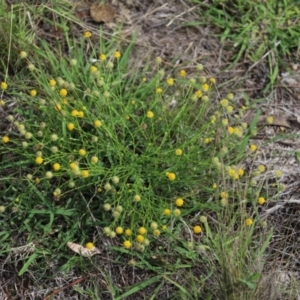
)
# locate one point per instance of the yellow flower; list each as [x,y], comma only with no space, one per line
[52,82]
[70,126]
[261,168]
[261,200]
[278,173]
[142,230]
[150,114]
[137,198]
[241,172]
[56,166]
[225,122]
[230,96]
[249,222]
[159,90]
[85,173]
[156,232]
[102,57]
[82,152]
[117,54]
[253,147]
[3,85]
[164,227]
[57,107]
[230,130]
[93,69]
[63,92]
[224,102]
[213,80]
[140,238]
[74,113]
[270,120]
[167,212]
[178,152]
[214,186]
[205,87]
[97,123]
[73,166]
[39,160]
[177,212]
[182,73]
[179,202]
[89,246]
[128,232]
[87,34]
[171,176]
[197,94]
[224,195]
[127,244]
[33,93]
[197,229]
[94,159]
[170,81]
[119,230]
[80,114]
[23,54]
[5,139]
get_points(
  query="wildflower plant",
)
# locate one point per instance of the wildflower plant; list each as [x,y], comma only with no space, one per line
[100,147]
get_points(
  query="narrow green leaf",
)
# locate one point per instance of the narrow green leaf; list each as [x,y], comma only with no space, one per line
[28,263]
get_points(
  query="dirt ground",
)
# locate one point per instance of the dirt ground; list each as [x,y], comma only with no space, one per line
[161,30]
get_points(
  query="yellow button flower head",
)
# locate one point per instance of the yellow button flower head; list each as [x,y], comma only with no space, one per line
[230,130]
[142,230]
[127,244]
[63,92]
[150,114]
[182,73]
[128,232]
[205,87]
[177,212]
[140,238]
[249,222]
[171,176]
[261,200]
[85,173]
[82,152]
[5,139]
[33,93]
[23,54]
[94,159]
[137,198]
[178,152]
[197,229]
[80,114]
[253,147]
[167,212]
[156,232]
[159,90]
[97,123]
[117,54]
[52,82]
[93,69]
[74,113]
[102,57]
[89,246]
[3,85]
[39,160]
[170,81]
[179,202]
[71,126]
[87,34]
[56,166]
[119,230]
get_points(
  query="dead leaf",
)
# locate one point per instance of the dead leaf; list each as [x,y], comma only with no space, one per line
[82,250]
[102,13]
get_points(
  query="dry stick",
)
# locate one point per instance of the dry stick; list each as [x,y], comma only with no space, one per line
[66,286]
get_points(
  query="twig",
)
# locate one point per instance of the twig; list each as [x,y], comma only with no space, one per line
[66,286]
